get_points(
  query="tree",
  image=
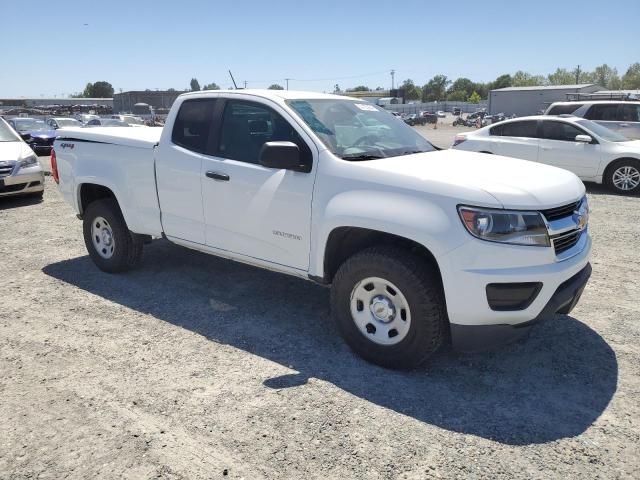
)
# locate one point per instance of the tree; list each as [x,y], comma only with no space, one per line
[336,88]
[561,77]
[462,85]
[211,86]
[359,88]
[171,90]
[100,89]
[275,86]
[606,76]
[503,81]
[525,79]
[474,98]
[411,91]
[435,89]
[195,86]
[457,96]
[631,78]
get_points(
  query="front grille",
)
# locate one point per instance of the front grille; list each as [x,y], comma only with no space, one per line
[560,212]
[565,241]
[5,170]
[16,187]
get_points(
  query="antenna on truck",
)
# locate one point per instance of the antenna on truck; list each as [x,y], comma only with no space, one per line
[233,80]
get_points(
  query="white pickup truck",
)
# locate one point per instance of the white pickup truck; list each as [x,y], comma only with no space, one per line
[419,245]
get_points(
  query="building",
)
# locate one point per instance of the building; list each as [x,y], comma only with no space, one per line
[522,101]
[124,102]
[6,103]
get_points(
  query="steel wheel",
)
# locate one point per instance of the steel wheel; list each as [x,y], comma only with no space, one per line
[626,178]
[102,237]
[380,311]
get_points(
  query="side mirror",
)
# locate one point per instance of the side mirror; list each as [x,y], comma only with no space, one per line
[280,155]
[25,136]
[584,138]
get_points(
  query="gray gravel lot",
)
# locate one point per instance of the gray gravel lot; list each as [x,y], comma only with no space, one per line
[195,367]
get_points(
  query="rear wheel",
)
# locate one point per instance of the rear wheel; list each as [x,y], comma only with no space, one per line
[112,247]
[389,307]
[623,176]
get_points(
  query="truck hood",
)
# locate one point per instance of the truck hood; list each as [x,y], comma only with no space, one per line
[511,182]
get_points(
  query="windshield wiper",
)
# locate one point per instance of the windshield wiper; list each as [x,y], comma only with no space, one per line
[411,152]
[362,156]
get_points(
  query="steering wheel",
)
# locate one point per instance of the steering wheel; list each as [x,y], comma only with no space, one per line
[373,139]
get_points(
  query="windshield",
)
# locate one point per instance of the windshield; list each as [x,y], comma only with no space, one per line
[68,122]
[6,133]
[602,132]
[359,131]
[132,120]
[28,125]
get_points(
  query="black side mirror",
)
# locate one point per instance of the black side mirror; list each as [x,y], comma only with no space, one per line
[280,155]
[26,136]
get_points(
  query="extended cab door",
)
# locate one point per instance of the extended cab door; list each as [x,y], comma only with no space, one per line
[558,147]
[253,210]
[516,139]
[179,170]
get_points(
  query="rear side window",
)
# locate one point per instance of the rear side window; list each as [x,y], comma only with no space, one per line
[560,131]
[563,109]
[603,112]
[526,128]
[193,124]
[630,113]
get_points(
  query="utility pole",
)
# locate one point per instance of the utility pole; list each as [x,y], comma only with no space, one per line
[245,84]
[287,80]
[578,75]
[393,72]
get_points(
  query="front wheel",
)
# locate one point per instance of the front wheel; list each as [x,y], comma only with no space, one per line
[111,246]
[389,307]
[624,176]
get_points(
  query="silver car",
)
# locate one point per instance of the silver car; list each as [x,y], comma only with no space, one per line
[620,116]
[20,171]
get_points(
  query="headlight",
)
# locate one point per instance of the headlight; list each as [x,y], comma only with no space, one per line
[29,161]
[505,226]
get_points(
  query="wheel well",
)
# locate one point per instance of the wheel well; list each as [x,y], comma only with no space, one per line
[343,242]
[90,192]
[612,164]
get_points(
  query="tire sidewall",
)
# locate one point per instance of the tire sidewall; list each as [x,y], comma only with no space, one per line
[420,334]
[109,211]
[617,165]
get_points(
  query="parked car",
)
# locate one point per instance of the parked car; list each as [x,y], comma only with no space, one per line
[441,114]
[621,116]
[38,135]
[594,153]
[85,117]
[63,122]
[130,120]
[429,117]
[20,171]
[414,119]
[456,111]
[393,224]
[106,122]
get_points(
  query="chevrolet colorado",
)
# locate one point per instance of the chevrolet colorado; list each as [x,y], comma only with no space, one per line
[419,245]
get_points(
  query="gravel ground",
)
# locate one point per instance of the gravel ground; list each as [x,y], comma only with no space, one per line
[195,367]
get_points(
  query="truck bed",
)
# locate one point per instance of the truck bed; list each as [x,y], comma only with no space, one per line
[143,137]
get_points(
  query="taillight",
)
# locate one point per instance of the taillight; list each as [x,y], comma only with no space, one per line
[459,139]
[54,167]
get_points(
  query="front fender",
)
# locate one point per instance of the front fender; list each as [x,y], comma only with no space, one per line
[426,222]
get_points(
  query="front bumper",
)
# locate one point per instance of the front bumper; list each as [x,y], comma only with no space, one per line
[470,338]
[27,180]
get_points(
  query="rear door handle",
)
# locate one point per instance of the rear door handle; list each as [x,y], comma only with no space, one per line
[218,176]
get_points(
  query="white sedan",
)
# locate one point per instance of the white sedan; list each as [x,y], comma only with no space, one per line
[20,172]
[594,153]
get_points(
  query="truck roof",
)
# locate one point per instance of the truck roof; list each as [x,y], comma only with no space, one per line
[275,94]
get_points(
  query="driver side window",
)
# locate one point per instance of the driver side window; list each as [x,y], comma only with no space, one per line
[246,126]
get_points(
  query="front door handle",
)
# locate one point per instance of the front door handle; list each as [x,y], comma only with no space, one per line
[218,176]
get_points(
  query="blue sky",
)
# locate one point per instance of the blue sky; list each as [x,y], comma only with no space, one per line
[136,44]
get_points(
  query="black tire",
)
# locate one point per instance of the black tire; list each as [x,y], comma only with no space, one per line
[127,250]
[417,281]
[611,169]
